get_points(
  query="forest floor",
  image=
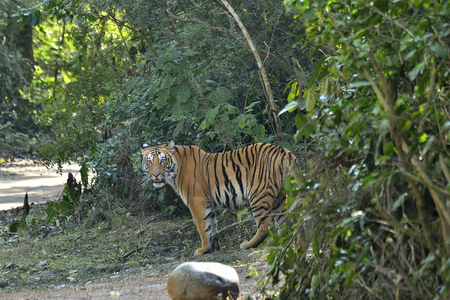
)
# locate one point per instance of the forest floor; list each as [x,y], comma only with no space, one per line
[115,255]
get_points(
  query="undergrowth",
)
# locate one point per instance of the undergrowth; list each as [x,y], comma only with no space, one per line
[73,254]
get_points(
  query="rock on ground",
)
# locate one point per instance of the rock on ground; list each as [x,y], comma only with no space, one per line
[203,280]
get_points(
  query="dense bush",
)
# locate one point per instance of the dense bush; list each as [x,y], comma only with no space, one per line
[374,209]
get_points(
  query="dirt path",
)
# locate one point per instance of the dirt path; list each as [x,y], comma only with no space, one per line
[22,176]
[133,288]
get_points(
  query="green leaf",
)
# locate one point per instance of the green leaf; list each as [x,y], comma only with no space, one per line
[423,138]
[220,96]
[179,127]
[50,211]
[358,84]
[425,23]
[183,95]
[410,54]
[84,174]
[161,60]
[348,267]
[348,280]
[288,183]
[91,17]
[16,226]
[309,13]
[302,125]
[210,117]
[258,132]
[400,200]
[320,71]
[404,125]
[427,146]
[67,207]
[289,106]
[30,220]
[439,51]
[383,128]
[162,97]
[429,259]
[311,100]
[167,83]
[32,19]
[316,246]
[249,107]
[241,120]
[271,257]
[301,76]
[388,148]
[416,70]
[149,93]
[380,57]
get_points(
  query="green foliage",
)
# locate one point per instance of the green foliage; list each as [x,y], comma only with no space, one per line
[16,226]
[19,106]
[373,209]
[110,75]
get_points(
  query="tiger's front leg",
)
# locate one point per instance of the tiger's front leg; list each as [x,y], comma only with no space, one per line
[204,217]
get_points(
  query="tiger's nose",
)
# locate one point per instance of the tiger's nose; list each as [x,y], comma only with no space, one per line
[156,175]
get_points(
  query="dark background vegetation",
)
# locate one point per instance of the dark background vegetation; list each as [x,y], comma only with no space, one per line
[363,90]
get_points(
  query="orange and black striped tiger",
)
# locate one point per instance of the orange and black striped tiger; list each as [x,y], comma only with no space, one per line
[252,176]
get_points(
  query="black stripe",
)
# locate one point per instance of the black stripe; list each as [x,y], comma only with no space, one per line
[227,200]
[210,215]
[217,198]
[239,181]
[225,176]
[238,154]
[261,221]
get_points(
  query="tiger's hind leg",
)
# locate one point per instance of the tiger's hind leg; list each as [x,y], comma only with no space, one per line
[214,236]
[278,215]
[261,211]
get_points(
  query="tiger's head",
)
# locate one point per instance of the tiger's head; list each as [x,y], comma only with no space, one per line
[158,163]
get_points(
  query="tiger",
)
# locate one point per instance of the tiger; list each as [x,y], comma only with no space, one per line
[252,177]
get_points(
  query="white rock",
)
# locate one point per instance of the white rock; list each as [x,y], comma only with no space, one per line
[203,281]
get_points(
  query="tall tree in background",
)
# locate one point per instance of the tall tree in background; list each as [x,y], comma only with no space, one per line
[17,112]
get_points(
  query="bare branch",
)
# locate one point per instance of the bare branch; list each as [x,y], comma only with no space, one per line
[270,98]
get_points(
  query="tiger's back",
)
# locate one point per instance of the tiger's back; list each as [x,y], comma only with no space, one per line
[252,176]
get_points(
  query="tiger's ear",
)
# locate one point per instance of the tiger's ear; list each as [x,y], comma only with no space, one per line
[144,146]
[170,146]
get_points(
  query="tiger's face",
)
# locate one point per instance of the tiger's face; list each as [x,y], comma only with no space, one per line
[158,163]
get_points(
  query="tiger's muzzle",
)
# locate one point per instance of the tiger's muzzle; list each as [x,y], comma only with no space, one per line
[158,180]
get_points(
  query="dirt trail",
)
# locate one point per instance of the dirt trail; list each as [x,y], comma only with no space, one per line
[22,176]
[133,288]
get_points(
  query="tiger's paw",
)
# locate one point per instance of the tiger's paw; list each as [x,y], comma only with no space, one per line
[244,245]
[201,251]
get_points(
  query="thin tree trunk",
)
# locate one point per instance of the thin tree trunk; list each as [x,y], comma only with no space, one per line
[273,107]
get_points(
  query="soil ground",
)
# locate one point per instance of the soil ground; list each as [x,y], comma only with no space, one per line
[116,255]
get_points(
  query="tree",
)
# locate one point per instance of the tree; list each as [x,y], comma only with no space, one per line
[16,68]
